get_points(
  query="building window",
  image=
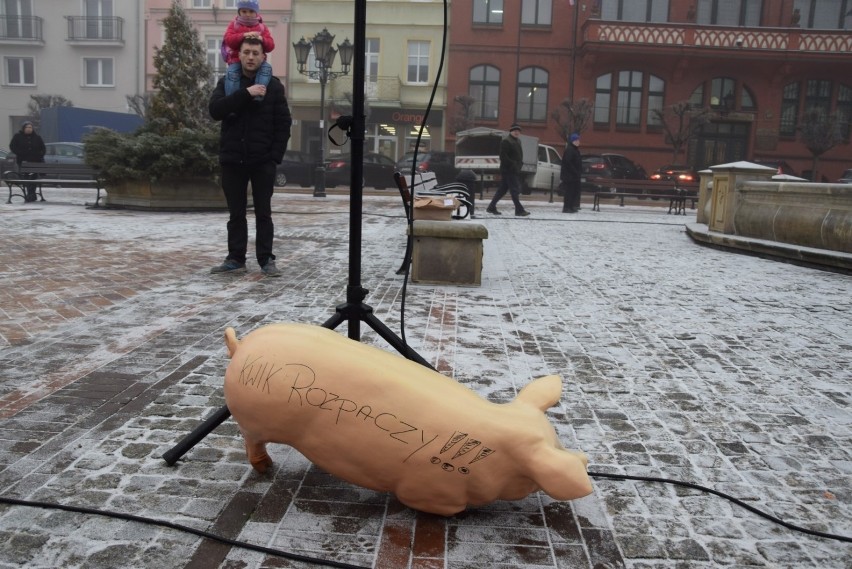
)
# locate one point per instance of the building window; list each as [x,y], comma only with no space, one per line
[635,10]
[729,12]
[603,98]
[844,111]
[536,12]
[100,23]
[656,95]
[371,59]
[20,71]
[635,95]
[723,93]
[18,19]
[824,14]
[98,72]
[232,4]
[214,57]
[789,109]
[488,11]
[747,100]
[815,94]
[418,62]
[484,88]
[201,3]
[628,111]
[532,94]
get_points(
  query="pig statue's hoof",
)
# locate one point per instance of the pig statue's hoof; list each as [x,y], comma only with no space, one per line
[262,463]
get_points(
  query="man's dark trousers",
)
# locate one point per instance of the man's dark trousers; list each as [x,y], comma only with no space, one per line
[235,178]
[508,183]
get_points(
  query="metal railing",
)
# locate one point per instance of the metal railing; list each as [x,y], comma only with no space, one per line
[84,28]
[25,28]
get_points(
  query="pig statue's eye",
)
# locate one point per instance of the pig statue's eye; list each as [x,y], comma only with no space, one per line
[435,460]
[464,470]
[448,467]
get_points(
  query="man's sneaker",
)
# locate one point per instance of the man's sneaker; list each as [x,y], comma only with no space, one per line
[270,270]
[493,210]
[522,213]
[229,266]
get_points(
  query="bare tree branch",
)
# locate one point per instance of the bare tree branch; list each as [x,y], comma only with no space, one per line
[572,116]
[680,123]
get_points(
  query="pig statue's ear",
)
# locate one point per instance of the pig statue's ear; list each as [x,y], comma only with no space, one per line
[231,341]
[542,393]
[560,473]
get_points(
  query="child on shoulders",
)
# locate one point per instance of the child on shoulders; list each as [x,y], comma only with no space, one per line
[248,23]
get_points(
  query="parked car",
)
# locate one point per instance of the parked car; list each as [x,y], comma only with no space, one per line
[441,163]
[296,168]
[675,172]
[846,178]
[7,161]
[55,153]
[378,170]
[780,165]
[599,167]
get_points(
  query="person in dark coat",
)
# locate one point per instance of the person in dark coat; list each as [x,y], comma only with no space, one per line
[254,137]
[569,175]
[28,147]
[511,161]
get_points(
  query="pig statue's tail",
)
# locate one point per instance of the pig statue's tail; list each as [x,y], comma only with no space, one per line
[231,341]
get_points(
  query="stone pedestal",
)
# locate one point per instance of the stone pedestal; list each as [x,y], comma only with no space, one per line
[447,252]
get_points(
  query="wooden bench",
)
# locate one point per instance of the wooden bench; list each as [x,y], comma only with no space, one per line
[677,202]
[41,174]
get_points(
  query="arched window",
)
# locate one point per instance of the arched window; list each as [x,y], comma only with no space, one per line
[484,88]
[532,94]
[724,94]
[633,96]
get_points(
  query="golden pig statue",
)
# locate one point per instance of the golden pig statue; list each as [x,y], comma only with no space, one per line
[383,422]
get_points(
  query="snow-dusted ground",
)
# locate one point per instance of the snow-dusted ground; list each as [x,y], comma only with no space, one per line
[679,361]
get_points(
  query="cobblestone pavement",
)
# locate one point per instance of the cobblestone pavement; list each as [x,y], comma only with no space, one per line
[679,361]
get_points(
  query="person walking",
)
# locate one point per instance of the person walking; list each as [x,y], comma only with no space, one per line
[253,139]
[28,147]
[569,175]
[511,160]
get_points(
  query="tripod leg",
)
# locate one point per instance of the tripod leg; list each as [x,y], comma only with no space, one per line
[392,339]
[193,438]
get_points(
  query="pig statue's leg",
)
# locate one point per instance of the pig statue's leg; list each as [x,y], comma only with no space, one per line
[257,455]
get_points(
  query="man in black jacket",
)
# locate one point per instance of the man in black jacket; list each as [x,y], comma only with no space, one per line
[511,161]
[253,140]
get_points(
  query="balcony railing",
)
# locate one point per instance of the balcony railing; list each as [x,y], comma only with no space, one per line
[21,28]
[85,29]
[799,40]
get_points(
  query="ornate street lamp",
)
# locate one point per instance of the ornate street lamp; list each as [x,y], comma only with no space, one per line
[324,56]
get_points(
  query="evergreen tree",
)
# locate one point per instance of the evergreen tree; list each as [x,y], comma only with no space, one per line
[183,77]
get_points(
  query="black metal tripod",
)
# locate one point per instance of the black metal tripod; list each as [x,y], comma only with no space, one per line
[354,310]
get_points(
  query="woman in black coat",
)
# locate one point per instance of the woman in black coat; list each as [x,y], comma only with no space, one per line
[28,147]
[569,175]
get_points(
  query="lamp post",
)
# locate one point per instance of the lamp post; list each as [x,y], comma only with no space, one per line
[324,56]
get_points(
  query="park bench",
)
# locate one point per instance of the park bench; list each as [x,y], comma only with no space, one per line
[677,193]
[43,174]
[677,202]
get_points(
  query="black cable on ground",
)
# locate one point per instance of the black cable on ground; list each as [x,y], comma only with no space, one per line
[736,501]
[179,527]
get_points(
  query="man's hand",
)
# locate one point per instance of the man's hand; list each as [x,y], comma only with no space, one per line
[257,90]
[255,35]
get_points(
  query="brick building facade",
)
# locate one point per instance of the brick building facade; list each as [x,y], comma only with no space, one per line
[757,65]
